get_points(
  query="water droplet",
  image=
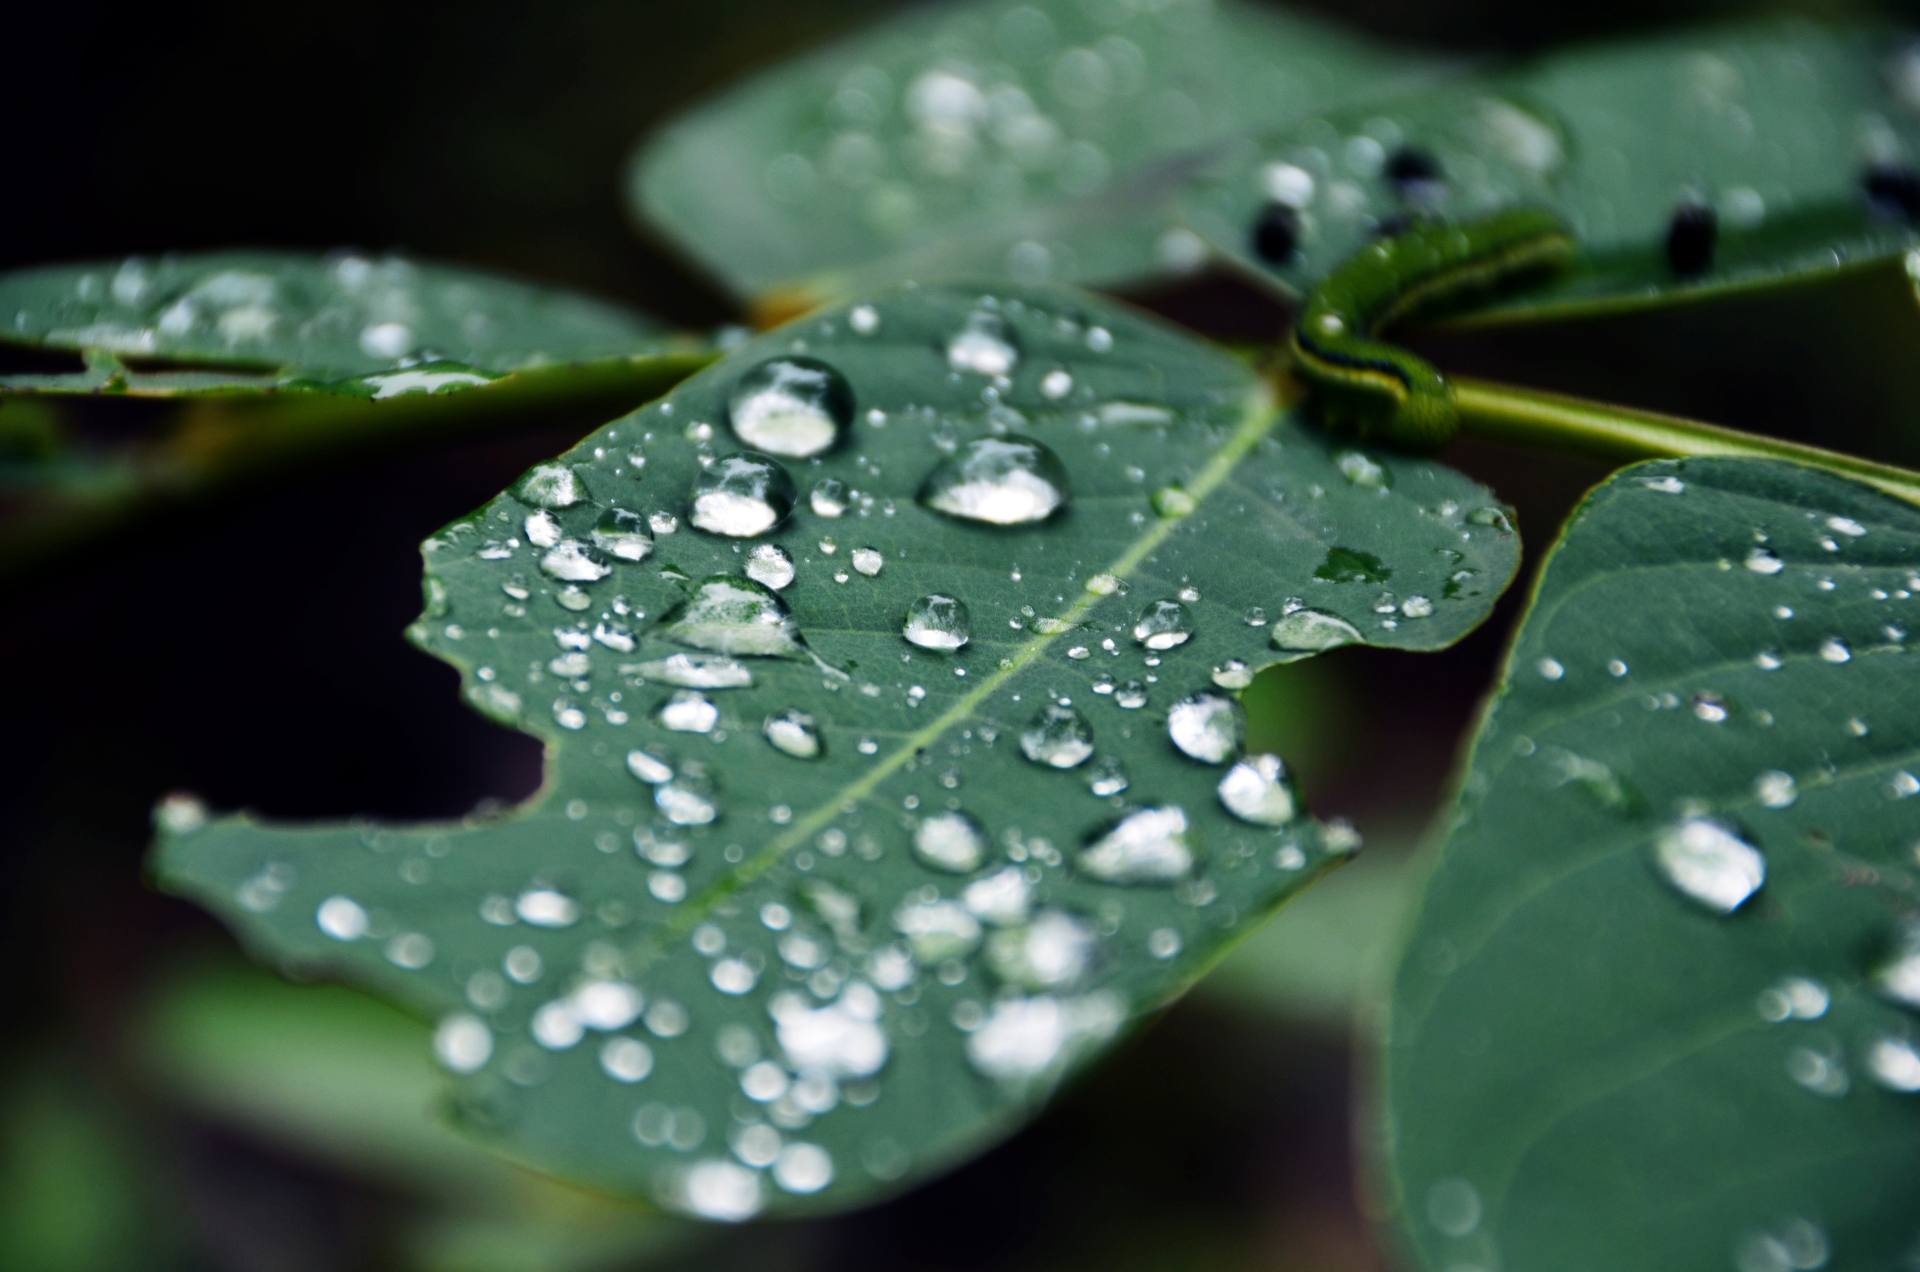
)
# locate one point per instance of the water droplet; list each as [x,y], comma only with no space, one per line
[692,671]
[1002,481]
[551,486]
[1233,674]
[1835,650]
[1163,625]
[572,561]
[803,1168]
[1148,845]
[1026,1039]
[792,407]
[1051,952]
[937,930]
[547,908]
[1056,384]
[1001,898]
[720,1190]
[1106,777]
[741,496]
[985,345]
[1312,631]
[463,1043]
[868,561]
[828,498]
[951,841]
[1057,737]
[689,712]
[342,918]
[937,622]
[840,1040]
[794,733]
[1363,470]
[648,767]
[1258,790]
[623,534]
[1172,501]
[1709,862]
[732,615]
[1775,789]
[1206,727]
[1763,561]
[1898,974]
[1895,1064]
[769,565]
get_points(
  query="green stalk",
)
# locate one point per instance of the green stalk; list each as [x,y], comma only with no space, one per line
[1504,413]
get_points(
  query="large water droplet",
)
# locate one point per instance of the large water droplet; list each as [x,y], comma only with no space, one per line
[551,486]
[1312,631]
[572,561]
[732,615]
[741,496]
[952,841]
[1709,862]
[1003,481]
[1057,737]
[794,733]
[1148,845]
[1163,625]
[937,622]
[1258,790]
[792,407]
[1206,727]
[985,345]
[1026,1039]
[689,712]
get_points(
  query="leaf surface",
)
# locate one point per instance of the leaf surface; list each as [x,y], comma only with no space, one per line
[345,324]
[819,897]
[1650,1013]
[1771,130]
[989,140]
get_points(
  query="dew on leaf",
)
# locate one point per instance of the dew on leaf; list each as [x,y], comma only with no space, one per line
[1311,631]
[1897,976]
[1051,951]
[1000,898]
[1148,845]
[1002,481]
[623,534]
[1233,674]
[937,622]
[741,496]
[985,345]
[828,498]
[648,767]
[840,1040]
[572,561]
[769,565]
[795,408]
[693,671]
[794,733]
[937,930]
[728,614]
[1206,726]
[689,712]
[1057,737]
[462,1042]
[1257,789]
[868,561]
[1026,1039]
[551,486]
[951,841]
[1163,625]
[1709,862]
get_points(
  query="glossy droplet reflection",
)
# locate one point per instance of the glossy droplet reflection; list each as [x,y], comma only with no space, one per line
[1206,727]
[740,496]
[791,407]
[1312,631]
[1163,625]
[1258,790]
[1149,845]
[937,622]
[1709,863]
[984,345]
[794,733]
[951,841]
[1057,737]
[1002,481]
[732,615]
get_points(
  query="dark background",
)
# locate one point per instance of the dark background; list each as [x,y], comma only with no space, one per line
[249,650]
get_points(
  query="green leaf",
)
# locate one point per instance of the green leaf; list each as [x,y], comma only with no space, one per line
[363,327]
[795,895]
[1600,1055]
[992,140]
[1772,126]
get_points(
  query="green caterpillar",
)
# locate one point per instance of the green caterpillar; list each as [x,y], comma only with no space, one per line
[1374,389]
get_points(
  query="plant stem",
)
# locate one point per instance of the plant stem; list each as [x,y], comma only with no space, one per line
[1505,413]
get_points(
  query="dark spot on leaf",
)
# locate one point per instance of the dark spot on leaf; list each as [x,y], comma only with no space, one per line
[1344,565]
[1691,235]
[1276,233]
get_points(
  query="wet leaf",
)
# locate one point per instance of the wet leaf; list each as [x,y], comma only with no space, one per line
[350,325]
[1690,164]
[1649,1013]
[992,140]
[891,774]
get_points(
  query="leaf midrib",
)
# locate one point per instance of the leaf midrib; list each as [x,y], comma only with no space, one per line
[1258,420]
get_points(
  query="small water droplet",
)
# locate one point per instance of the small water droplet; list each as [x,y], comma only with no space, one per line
[1898,974]
[551,486]
[1233,674]
[572,561]
[868,561]
[984,345]
[793,732]
[623,534]
[689,712]
[828,498]
[1312,631]
[1052,951]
